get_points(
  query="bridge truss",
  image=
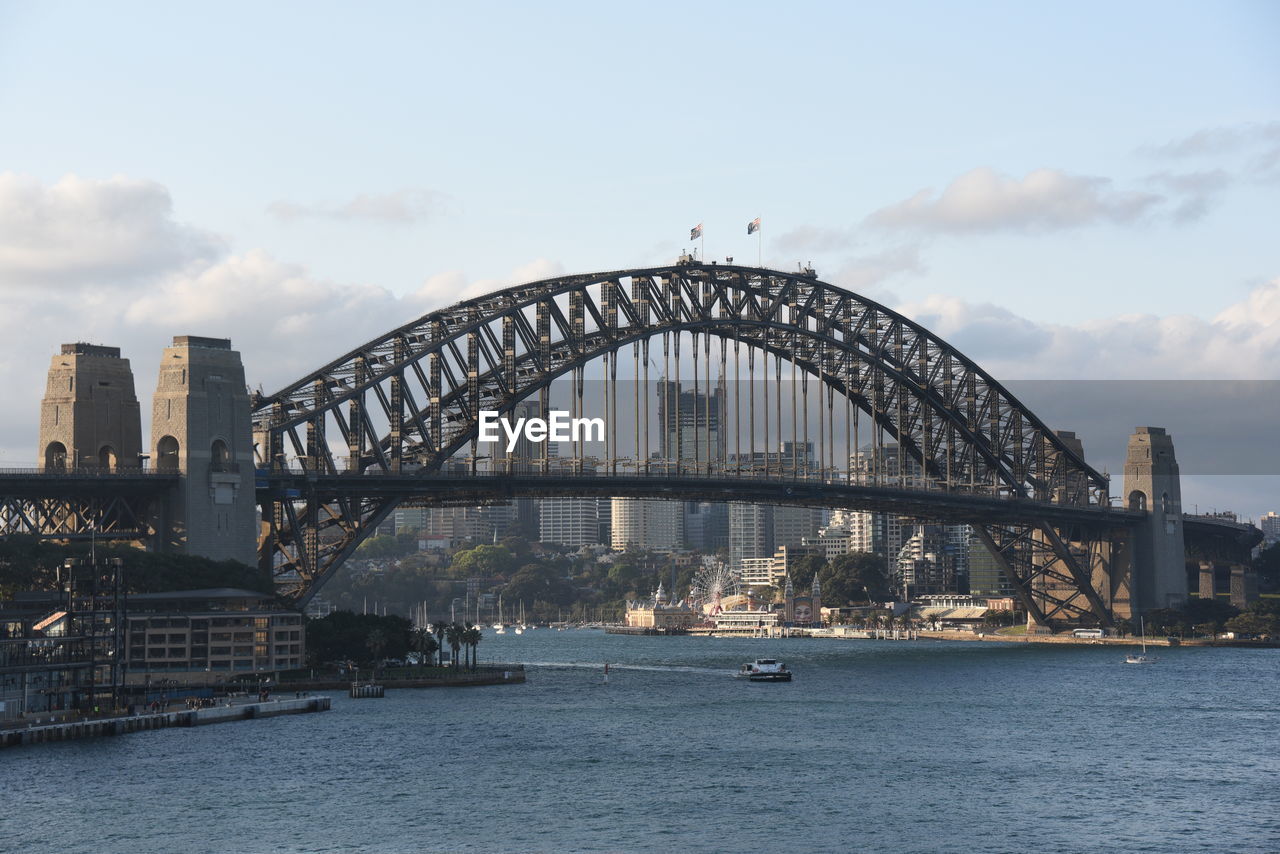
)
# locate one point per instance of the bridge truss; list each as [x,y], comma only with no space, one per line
[793,359]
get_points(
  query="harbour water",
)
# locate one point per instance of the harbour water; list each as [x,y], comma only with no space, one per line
[876,746]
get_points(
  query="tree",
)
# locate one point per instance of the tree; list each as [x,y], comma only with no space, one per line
[854,577]
[376,641]
[1206,629]
[482,561]
[425,644]
[473,636]
[453,635]
[440,629]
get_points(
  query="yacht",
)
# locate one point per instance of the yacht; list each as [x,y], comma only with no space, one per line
[1143,658]
[764,670]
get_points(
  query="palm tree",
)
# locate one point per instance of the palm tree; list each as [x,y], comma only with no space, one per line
[473,636]
[453,634]
[440,628]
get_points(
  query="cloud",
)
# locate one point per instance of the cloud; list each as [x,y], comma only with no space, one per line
[866,274]
[137,278]
[401,207]
[80,231]
[1220,140]
[1195,191]
[983,200]
[1241,342]
[808,238]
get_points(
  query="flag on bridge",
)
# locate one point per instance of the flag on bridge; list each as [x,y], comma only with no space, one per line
[753,226]
[695,232]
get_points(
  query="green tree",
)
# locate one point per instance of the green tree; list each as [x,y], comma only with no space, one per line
[424,643]
[854,577]
[472,637]
[440,629]
[453,635]
[482,561]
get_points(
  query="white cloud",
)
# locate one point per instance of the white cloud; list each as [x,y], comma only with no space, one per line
[81,231]
[400,207]
[1241,342]
[138,278]
[1044,200]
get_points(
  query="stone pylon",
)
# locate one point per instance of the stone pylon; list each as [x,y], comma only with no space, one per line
[89,417]
[1151,483]
[200,428]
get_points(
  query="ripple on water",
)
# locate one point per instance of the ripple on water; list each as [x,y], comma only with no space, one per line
[895,747]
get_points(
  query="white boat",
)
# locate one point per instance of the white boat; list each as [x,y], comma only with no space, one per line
[764,670]
[1135,658]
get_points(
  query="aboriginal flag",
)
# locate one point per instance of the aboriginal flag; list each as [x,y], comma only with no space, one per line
[753,226]
[695,232]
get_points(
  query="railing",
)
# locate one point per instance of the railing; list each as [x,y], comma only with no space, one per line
[95,472]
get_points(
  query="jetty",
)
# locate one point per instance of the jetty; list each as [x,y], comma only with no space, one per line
[65,730]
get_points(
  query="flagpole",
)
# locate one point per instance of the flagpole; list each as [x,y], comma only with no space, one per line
[702,233]
[760,243]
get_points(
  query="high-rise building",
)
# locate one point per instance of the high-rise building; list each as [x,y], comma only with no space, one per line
[1270,525]
[647,524]
[691,425]
[750,533]
[569,521]
[985,576]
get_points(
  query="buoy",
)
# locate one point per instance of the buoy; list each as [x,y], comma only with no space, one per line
[606,673]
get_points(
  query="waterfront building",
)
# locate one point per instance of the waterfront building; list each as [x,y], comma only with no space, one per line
[756,571]
[660,612]
[746,619]
[62,650]
[193,635]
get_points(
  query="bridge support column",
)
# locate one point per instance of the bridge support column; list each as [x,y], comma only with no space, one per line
[200,429]
[1151,483]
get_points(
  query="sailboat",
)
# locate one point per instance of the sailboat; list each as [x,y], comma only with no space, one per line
[498,629]
[520,626]
[1143,658]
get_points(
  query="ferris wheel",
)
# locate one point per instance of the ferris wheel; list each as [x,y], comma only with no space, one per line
[711,585]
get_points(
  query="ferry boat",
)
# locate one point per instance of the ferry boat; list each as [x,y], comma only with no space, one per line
[765,670]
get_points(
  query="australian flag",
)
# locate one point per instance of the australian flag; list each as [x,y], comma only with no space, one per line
[753,226]
[695,232]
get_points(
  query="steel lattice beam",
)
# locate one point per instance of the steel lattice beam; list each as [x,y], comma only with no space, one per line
[412,398]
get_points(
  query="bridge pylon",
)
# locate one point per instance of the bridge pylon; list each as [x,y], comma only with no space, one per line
[200,429]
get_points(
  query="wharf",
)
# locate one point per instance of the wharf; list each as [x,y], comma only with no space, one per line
[512,674]
[92,728]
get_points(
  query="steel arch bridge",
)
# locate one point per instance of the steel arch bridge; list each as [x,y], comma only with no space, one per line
[397,419]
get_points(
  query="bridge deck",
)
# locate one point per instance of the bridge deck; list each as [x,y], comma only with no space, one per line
[486,486]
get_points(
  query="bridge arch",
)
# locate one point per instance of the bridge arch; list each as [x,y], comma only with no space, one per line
[410,400]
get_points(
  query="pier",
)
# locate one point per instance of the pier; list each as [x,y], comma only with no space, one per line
[67,730]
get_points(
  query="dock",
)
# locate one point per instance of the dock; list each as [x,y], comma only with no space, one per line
[124,724]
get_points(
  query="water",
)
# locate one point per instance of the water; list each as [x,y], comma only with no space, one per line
[876,746]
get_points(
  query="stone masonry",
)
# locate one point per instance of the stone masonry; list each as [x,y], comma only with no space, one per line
[89,417]
[200,427]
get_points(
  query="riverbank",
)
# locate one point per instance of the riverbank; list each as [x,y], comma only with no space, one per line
[123,724]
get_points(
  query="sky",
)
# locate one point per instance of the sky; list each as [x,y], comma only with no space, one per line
[1083,191]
